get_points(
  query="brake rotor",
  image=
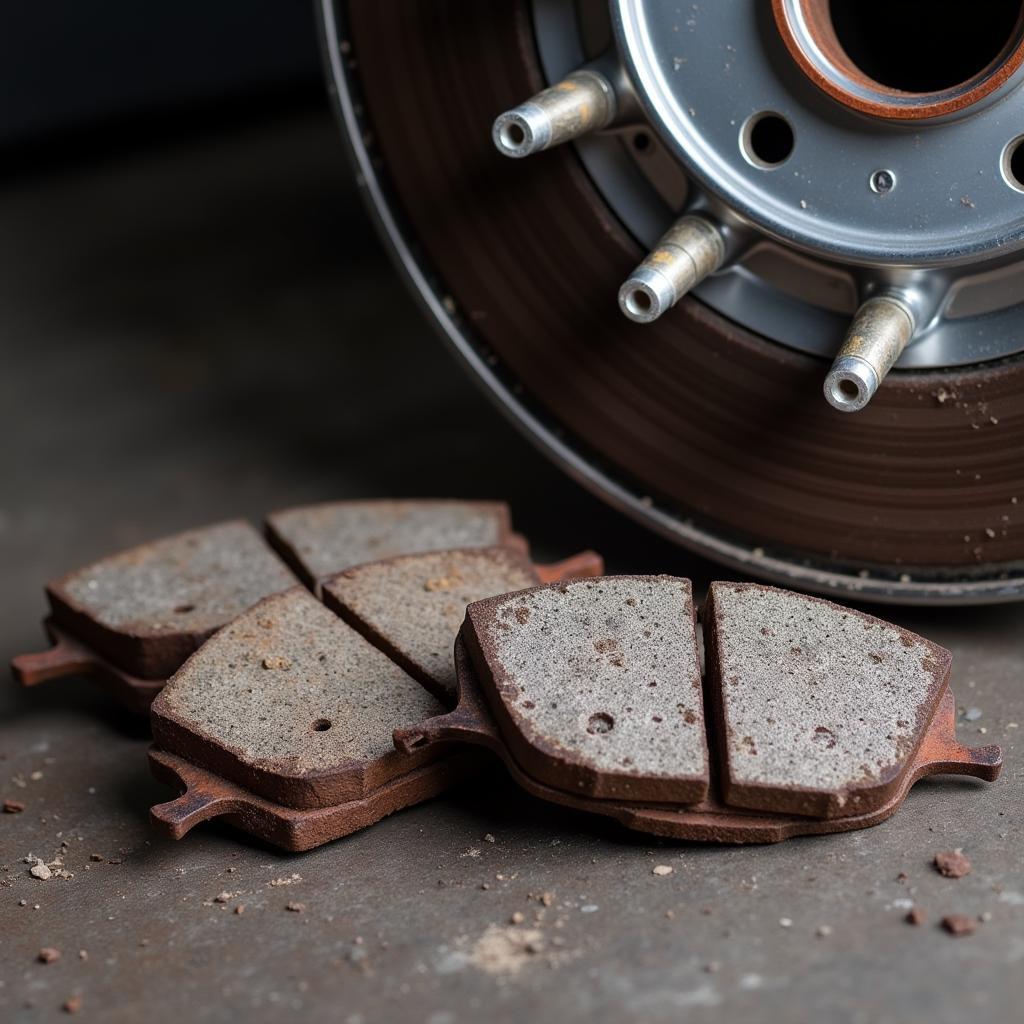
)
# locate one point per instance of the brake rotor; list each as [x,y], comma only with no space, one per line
[840,185]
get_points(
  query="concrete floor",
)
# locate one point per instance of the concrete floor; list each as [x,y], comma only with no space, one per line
[211,330]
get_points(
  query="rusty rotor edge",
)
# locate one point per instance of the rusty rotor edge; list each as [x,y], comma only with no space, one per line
[746,558]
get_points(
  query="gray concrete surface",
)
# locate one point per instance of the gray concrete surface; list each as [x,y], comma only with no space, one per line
[211,330]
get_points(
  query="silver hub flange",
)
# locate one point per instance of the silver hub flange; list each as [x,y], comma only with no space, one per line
[830,189]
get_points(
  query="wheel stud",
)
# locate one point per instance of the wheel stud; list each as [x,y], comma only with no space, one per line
[881,330]
[690,251]
[583,102]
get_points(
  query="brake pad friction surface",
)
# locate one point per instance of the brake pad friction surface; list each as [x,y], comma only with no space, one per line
[292,703]
[596,686]
[819,709]
[149,608]
[322,540]
[412,606]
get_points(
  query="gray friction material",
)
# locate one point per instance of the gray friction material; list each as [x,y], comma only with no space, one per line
[601,675]
[816,697]
[413,606]
[193,582]
[322,540]
[290,690]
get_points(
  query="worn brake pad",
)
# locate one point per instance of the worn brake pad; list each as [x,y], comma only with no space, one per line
[934,749]
[319,541]
[293,704]
[819,709]
[595,685]
[142,612]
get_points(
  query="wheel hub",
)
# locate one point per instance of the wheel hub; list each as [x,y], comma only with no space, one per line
[756,116]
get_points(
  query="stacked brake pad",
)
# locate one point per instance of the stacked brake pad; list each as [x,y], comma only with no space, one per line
[132,619]
[812,718]
[301,715]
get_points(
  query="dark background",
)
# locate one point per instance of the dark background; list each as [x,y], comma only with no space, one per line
[199,323]
[69,70]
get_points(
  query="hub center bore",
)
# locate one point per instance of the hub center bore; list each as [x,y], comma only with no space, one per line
[904,59]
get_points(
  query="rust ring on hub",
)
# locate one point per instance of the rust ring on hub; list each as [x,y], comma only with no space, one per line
[808,30]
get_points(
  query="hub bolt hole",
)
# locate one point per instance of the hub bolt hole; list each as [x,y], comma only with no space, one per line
[1013,164]
[767,140]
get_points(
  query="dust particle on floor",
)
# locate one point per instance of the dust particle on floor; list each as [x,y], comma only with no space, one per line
[13,807]
[916,916]
[959,925]
[501,950]
[662,870]
[952,864]
[48,955]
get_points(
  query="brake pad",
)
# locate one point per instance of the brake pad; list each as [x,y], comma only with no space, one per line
[132,618]
[927,747]
[412,606]
[319,541]
[818,709]
[596,687]
[293,704]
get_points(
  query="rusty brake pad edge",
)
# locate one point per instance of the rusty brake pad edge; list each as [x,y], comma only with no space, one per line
[206,796]
[70,657]
[939,752]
